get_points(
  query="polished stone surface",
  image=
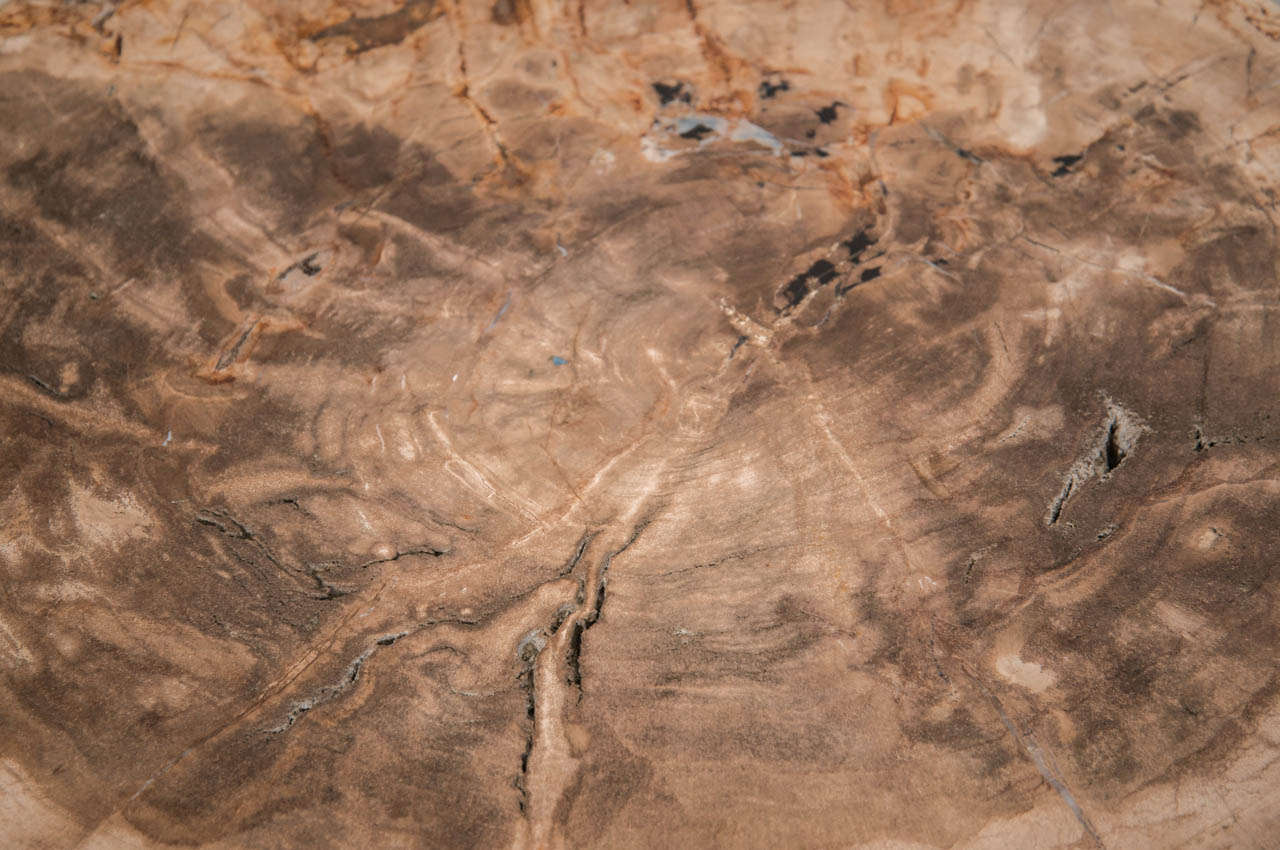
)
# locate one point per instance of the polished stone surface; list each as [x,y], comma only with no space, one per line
[716,424]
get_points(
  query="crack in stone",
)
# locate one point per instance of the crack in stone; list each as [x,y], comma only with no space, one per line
[1119,437]
[580,625]
[583,543]
[550,665]
[330,692]
[229,526]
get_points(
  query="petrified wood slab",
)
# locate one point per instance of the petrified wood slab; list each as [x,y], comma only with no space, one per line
[675,424]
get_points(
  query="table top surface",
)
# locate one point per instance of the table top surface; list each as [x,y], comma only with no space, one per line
[716,424]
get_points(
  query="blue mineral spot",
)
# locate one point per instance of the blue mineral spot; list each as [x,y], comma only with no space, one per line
[558,360]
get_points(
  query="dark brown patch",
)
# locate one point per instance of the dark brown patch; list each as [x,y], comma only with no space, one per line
[376,31]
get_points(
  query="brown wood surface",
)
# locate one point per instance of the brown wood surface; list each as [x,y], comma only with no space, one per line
[689,424]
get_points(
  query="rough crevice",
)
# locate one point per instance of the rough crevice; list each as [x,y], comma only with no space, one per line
[583,543]
[573,654]
[46,388]
[1113,452]
[229,526]
[1064,164]
[819,274]
[1055,507]
[528,650]
[330,692]
[672,92]
[1119,436]
[307,265]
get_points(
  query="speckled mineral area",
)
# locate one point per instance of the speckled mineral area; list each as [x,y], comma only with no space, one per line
[705,423]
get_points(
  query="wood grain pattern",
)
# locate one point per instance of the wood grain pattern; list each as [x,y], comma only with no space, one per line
[651,424]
